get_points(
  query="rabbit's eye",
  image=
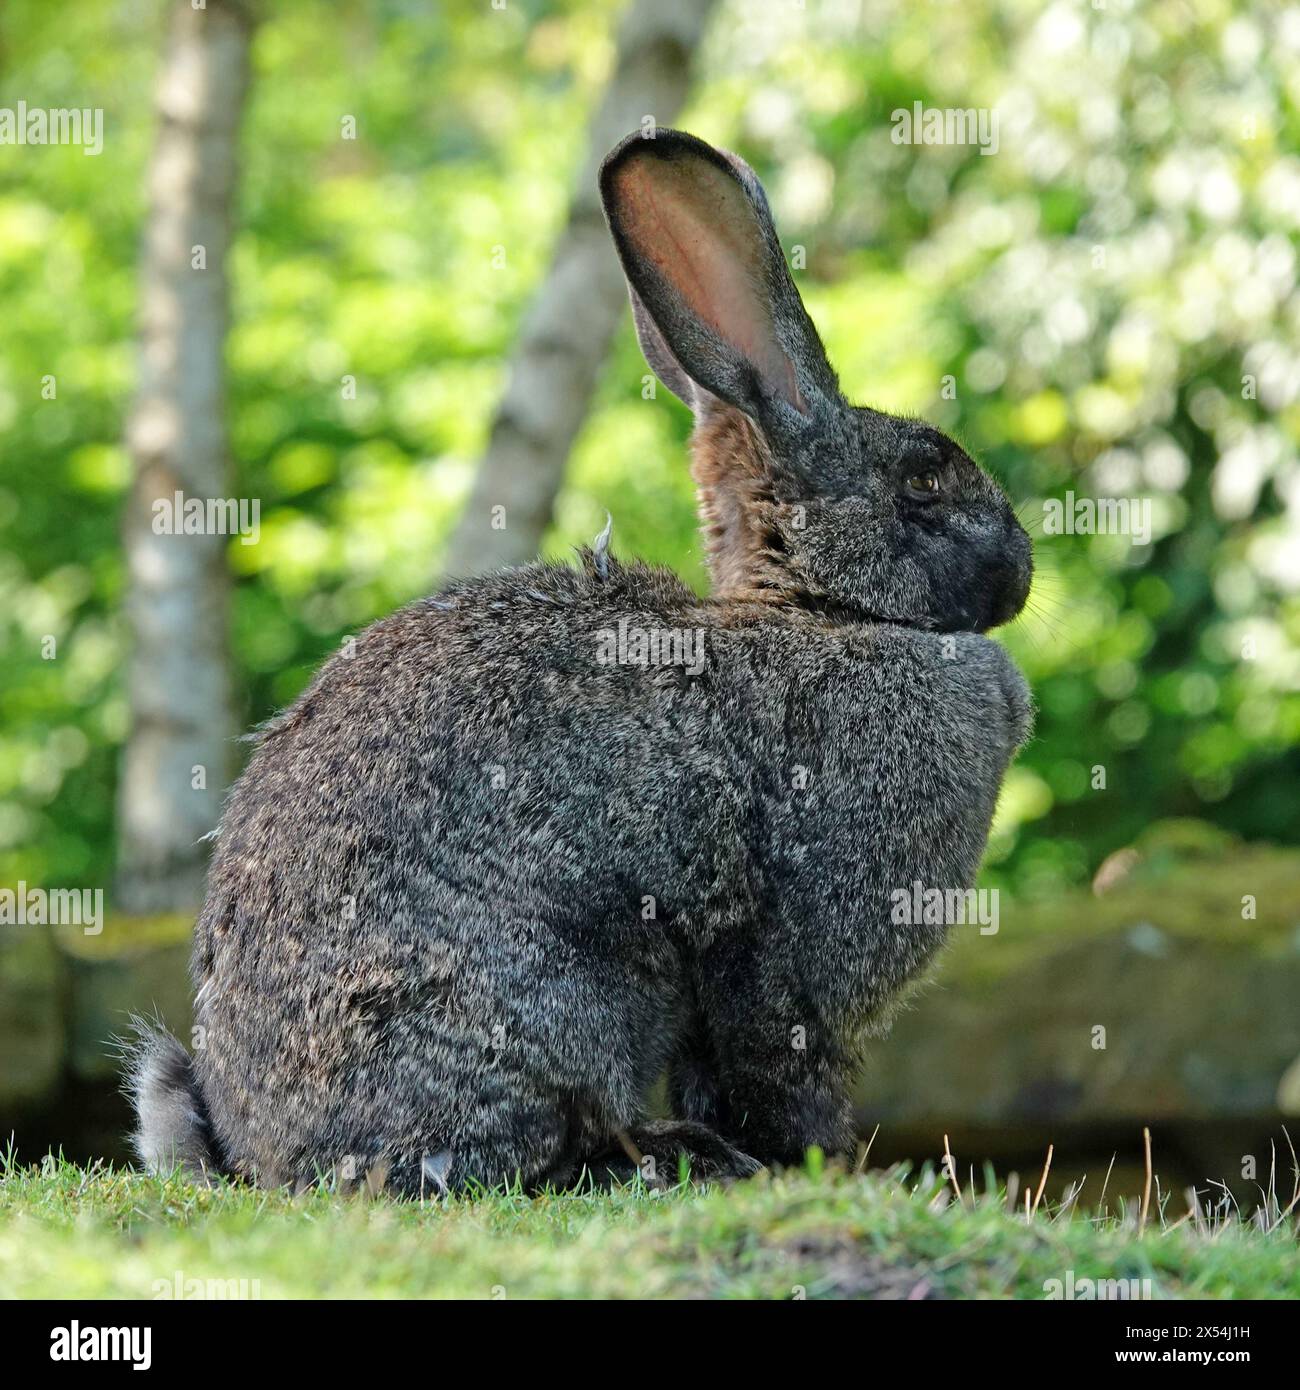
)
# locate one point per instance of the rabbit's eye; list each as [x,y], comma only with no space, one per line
[924,484]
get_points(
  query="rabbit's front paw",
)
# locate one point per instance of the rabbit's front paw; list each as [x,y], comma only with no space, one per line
[986,674]
[660,1146]
[1018,700]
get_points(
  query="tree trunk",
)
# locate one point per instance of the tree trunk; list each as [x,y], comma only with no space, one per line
[177,757]
[567,332]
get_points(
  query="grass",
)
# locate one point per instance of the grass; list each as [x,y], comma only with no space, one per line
[819,1232]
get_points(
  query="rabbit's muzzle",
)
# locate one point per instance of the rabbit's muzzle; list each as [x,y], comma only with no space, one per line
[1010,575]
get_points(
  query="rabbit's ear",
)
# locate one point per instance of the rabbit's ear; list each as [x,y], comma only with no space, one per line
[660,356]
[714,300]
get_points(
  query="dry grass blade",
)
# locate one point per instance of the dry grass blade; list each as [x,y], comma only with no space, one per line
[1225,1216]
[950,1167]
[377,1177]
[1101,1201]
[861,1165]
[1283,1213]
[1042,1182]
[1146,1190]
[628,1147]
[1070,1198]
[1194,1209]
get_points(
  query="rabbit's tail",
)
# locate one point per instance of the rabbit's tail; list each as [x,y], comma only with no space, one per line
[171,1121]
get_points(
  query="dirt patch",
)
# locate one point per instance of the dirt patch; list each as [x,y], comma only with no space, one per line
[845,1270]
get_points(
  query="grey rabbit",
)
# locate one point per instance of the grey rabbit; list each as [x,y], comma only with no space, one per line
[534,843]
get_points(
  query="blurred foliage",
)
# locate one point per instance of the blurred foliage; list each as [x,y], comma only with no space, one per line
[1113,297]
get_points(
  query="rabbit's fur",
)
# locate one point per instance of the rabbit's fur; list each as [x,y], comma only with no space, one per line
[480,886]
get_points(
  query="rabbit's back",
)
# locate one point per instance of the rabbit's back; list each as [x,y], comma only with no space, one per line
[464,833]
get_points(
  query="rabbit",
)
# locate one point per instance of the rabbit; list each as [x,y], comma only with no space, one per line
[511,858]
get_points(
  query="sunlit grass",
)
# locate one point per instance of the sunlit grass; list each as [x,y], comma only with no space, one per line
[823,1232]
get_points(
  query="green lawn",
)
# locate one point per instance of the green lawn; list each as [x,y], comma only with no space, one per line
[69,1232]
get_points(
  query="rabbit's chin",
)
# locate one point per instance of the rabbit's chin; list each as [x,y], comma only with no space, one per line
[850,615]
[847,615]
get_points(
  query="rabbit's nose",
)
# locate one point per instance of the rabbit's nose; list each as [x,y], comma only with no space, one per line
[1011,578]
